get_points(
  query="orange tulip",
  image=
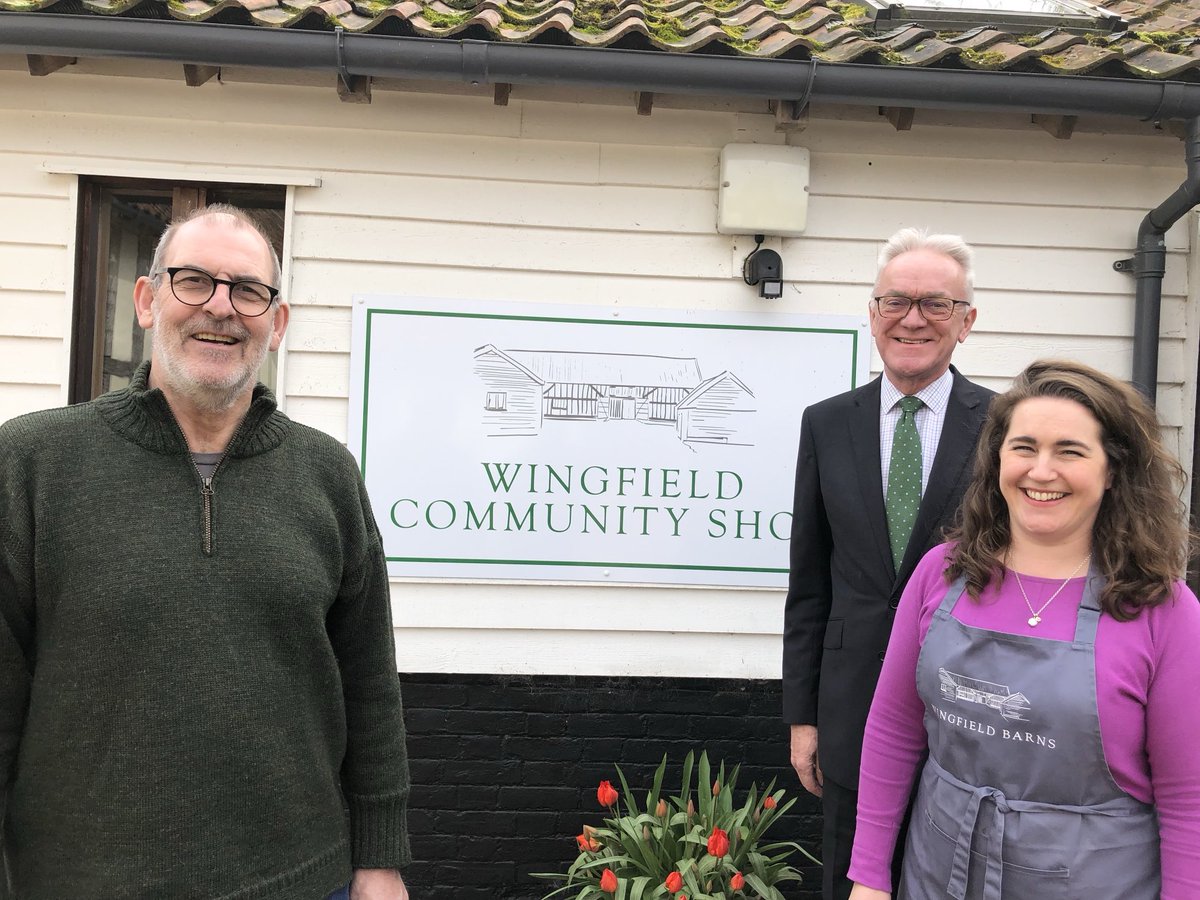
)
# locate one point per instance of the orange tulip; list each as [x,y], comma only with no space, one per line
[768,802]
[674,882]
[716,787]
[718,842]
[661,809]
[586,843]
[607,794]
[608,881]
[737,882]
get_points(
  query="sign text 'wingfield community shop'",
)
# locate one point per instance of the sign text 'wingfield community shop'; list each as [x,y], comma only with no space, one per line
[526,441]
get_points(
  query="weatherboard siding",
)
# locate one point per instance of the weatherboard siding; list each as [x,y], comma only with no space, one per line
[561,203]
[36,243]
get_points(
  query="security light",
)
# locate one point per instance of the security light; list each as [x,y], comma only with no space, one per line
[764,268]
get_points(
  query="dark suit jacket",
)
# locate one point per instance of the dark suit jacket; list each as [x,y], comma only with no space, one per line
[843,590]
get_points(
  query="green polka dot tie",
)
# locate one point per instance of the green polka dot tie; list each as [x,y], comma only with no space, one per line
[904,479]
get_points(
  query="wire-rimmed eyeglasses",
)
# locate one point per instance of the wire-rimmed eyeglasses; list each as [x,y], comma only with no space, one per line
[934,309]
[195,287]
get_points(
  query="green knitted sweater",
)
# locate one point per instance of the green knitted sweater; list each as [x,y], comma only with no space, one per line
[176,723]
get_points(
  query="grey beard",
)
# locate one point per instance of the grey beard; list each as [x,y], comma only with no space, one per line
[210,398]
[215,399]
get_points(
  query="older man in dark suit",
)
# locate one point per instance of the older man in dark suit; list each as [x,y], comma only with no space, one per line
[881,472]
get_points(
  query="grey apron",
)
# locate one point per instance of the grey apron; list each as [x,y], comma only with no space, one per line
[1016,801]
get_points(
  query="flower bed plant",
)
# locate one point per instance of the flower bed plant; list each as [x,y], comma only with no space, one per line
[698,845]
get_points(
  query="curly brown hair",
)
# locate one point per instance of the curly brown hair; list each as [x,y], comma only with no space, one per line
[1140,540]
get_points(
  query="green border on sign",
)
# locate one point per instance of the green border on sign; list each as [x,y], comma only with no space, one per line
[579,564]
[370,312]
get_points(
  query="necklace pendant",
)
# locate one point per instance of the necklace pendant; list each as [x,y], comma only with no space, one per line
[1033,620]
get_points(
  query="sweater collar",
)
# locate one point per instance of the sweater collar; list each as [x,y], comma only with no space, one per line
[141,414]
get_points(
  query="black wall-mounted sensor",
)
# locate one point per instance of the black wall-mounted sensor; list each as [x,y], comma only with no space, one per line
[764,268]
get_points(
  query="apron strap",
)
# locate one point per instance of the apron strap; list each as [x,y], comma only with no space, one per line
[1088,619]
[952,594]
[993,877]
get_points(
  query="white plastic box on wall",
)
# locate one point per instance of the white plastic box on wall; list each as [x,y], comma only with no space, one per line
[764,190]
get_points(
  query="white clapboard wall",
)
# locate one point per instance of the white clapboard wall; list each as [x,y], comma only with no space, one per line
[552,201]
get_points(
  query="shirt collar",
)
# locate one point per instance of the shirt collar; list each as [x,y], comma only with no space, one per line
[936,396]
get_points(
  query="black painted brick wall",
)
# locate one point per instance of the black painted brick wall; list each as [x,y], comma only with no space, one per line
[505,768]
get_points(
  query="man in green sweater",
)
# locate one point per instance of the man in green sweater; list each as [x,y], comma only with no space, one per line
[198,688]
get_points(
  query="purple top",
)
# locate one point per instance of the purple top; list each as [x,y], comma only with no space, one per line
[1147,677]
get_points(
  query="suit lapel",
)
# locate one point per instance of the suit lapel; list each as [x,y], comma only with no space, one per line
[863,423]
[955,456]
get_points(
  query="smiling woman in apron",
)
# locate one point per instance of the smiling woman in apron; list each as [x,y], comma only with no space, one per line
[1043,673]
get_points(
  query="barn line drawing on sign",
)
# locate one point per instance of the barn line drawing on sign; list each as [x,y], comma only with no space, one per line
[526,389]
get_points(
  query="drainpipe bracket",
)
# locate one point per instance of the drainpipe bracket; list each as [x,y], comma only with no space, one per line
[475,62]
[1124,265]
[343,70]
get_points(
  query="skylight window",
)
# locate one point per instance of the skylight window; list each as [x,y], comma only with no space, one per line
[1020,16]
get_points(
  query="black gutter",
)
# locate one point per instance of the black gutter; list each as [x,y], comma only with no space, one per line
[484,62]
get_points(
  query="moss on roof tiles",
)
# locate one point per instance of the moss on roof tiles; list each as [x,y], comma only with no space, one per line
[1159,38]
[596,13]
[444,20]
[983,59]
[848,11]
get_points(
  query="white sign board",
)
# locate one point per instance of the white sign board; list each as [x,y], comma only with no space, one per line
[524,441]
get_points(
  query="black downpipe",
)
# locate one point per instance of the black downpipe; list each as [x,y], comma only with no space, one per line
[1150,264]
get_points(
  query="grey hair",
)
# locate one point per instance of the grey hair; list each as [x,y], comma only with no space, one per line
[907,240]
[242,219]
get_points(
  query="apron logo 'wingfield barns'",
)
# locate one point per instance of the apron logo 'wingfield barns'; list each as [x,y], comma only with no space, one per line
[973,690]
[954,688]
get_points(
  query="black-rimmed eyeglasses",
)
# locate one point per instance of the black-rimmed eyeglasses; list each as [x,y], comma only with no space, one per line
[934,309]
[195,287]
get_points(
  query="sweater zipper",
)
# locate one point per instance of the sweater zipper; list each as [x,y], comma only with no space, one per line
[206,484]
[207,493]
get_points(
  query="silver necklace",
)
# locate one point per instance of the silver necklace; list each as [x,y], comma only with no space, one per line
[1037,613]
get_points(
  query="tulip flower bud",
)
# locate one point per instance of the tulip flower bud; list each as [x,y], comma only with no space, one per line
[718,842]
[691,809]
[608,881]
[646,833]
[606,794]
[587,844]
[737,882]
[757,815]
[661,809]
[716,787]
[674,882]
[768,802]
